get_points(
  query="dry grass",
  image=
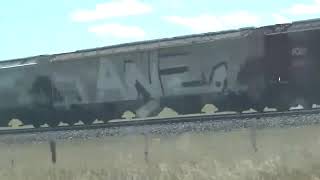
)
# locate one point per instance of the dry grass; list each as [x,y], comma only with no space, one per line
[282,154]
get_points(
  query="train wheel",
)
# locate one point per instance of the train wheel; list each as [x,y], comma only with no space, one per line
[55,118]
[107,113]
[283,102]
[88,121]
[235,102]
[282,108]
[53,123]
[308,105]
[304,102]
[49,116]
[259,107]
[185,105]
[67,116]
[5,118]
[29,116]
[36,123]
[107,118]
[78,113]
[87,117]
[70,122]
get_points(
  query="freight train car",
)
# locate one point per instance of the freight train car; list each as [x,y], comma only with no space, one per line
[272,66]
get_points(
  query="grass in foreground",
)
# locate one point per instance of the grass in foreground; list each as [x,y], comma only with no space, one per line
[291,153]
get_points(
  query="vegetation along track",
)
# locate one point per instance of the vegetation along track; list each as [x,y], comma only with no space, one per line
[242,120]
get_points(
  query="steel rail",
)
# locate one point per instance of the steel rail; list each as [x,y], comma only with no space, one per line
[169,120]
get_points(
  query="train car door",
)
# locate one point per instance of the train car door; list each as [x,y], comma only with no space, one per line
[277,61]
[291,68]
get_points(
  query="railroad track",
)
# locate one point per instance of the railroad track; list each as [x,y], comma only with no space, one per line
[169,120]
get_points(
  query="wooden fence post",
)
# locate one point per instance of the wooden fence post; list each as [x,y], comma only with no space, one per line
[53,151]
[253,134]
[146,148]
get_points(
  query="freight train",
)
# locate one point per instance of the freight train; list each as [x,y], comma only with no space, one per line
[274,66]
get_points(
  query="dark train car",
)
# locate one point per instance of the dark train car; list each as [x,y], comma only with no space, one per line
[272,66]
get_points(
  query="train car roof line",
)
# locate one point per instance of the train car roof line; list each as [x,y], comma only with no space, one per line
[165,42]
[148,44]
[128,45]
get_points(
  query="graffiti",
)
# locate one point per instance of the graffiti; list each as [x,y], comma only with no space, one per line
[110,87]
[174,70]
[134,82]
[138,82]
[71,88]
[216,79]
[44,91]
[299,51]
[142,92]
[130,83]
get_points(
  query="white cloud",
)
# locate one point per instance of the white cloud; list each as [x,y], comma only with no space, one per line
[305,9]
[118,31]
[115,8]
[279,19]
[206,22]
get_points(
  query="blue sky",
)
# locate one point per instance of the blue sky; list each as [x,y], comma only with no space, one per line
[37,27]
